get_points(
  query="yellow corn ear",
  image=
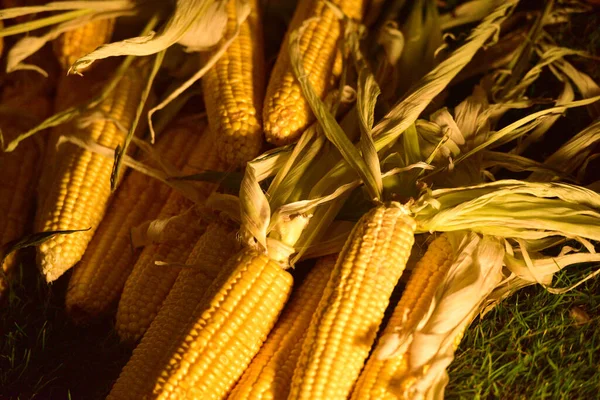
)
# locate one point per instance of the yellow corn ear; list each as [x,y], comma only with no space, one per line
[226,330]
[148,284]
[28,98]
[234,90]
[345,323]
[19,175]
[286,112]
[98,279]
[383,379]
[79,190]
[70,90]
[76,43]
[210,253]
[270,372]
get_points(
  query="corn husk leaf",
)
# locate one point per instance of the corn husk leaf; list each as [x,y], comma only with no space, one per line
[566,96]
[573,153]
[513,84]
[409,108]
[163,173]
[476,270]
[205,18]
[330,127]
[79,110]
[422,37]
[42,22]
[120,151]
[406,112]
[28,45]
[522,126]
[584,83]
[511,208]
[283,188]
[516,163]
[255,211]
[333,240]
[467,13]
[536,268]
[242,12]
[103,5]
[367,94]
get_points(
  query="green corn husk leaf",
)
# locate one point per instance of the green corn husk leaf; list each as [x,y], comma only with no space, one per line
[79,110]
[566,96]
[28,45]
[585,85]
[242,12]
[406,112]
[196,24]
[255,211]
[573,153]
[494,57]
[332,241]
[164,173]
[409,108]
[511,85]
[511,208]
[103,5]
[320,222]
[330,127]
[522,126]
[467,13]
[120,151]
[367,94]
[536,268]
[422,37]
[42,22]
[284,187]
[516,163]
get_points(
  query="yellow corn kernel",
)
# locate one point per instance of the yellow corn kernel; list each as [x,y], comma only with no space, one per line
[148,284]
[78,42]
[384,379]
[346,321]
[80,182]
[97,281]
[286,112]
[270,373]
[210,253]
[226,330]
[234,91]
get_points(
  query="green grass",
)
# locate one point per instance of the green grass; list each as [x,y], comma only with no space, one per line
[43,355]
[531,347]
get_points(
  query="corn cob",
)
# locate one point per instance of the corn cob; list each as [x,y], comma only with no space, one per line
[17,185]
[226,330]
[286,113]
[383,379]
[148,285]
[270,373]
[213,250]
[97,281]
[76,43]
[28,96]
[80,181]
[71,90]
[345,324]
[234,90]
